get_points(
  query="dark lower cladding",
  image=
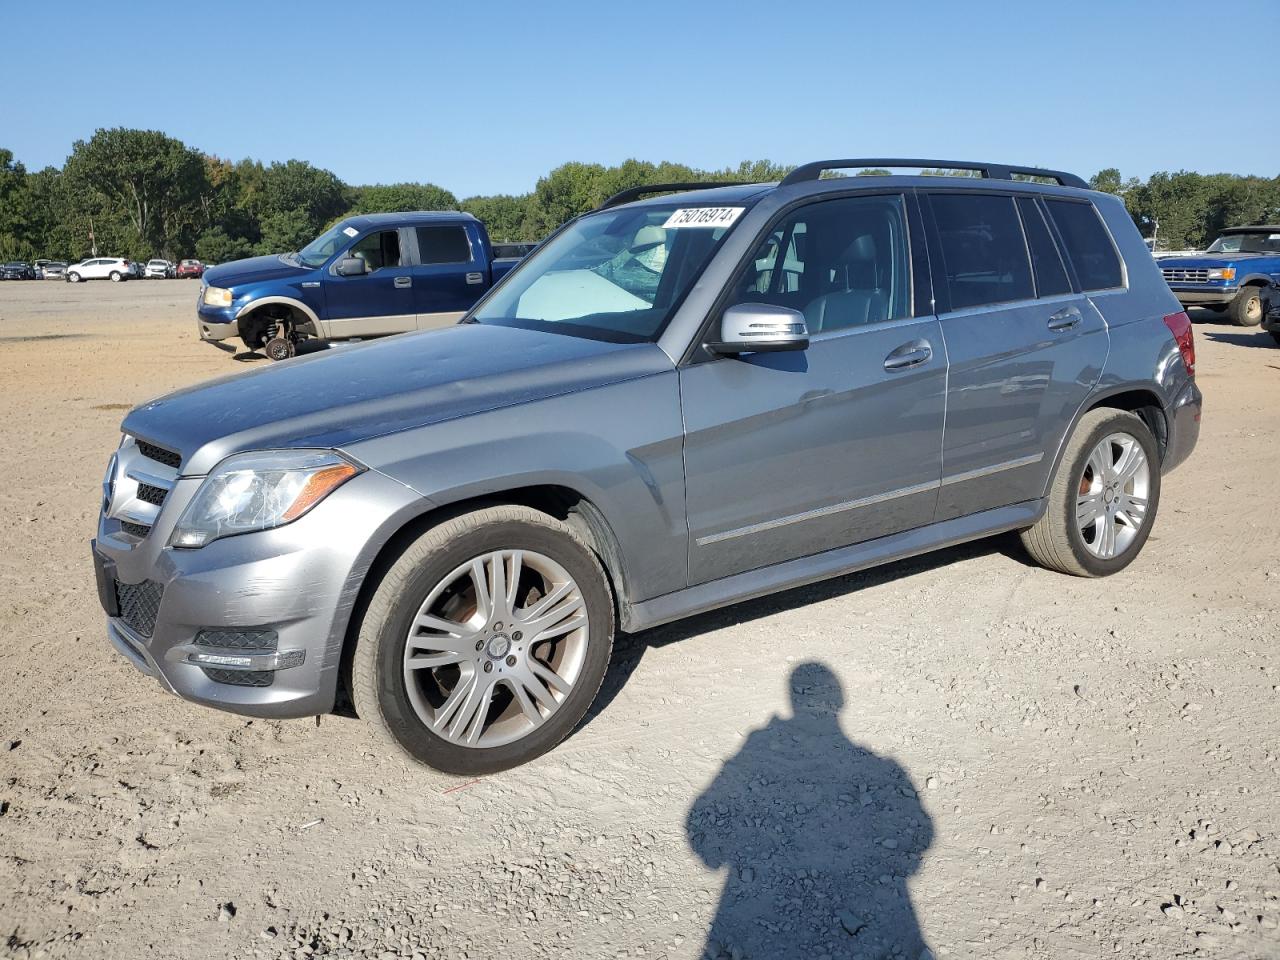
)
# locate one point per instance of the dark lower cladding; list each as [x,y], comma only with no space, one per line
[140,605]
[241,678]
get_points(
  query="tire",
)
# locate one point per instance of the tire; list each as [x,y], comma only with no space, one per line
[1058,541]
[73,277]
[115,276]
[401,702]
[1246,309]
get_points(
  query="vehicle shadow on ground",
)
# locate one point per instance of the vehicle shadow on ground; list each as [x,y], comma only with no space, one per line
[1258,339]
[818,836]
[629,648]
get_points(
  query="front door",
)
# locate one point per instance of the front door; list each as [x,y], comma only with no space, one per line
[1025,347]
[448,276]
[791,454]
[378,302]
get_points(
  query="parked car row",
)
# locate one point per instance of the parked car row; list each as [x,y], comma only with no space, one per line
[117,269]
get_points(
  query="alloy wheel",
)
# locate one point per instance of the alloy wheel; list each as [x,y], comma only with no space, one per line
[496,648]
[1113,495]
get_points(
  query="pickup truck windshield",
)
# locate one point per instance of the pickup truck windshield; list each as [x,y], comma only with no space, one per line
[1262,242]
[617,275]
[319,250]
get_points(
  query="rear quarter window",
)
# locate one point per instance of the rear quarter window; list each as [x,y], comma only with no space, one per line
[1088,244]
[443,245]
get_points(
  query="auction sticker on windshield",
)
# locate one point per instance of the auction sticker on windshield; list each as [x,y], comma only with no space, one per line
[714,217]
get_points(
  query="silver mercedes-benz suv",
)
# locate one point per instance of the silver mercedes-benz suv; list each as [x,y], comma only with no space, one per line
[673,404]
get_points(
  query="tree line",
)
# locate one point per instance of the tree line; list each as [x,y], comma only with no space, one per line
[141,193]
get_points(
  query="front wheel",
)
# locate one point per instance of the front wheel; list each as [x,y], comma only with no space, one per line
[1103,499]
[1246,309]
[486,642]
[73,277]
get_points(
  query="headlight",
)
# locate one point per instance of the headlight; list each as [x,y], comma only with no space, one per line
[258,491]
[1222,273]
[217,297]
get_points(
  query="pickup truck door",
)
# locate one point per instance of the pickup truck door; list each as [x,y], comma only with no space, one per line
[792,454]
[381,301]
[450,272]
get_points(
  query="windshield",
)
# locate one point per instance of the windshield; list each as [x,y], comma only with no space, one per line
[1261,242]
[319,250]
[617,275]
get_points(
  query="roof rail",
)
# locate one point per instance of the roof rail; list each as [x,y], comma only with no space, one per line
[993,171]
[635,193]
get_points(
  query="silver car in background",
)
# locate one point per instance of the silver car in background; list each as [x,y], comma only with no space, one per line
[673,404]
[53,270]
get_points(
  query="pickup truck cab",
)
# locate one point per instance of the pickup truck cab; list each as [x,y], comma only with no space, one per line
[366,276]
[1230,275]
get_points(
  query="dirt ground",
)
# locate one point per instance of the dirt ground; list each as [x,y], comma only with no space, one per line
[962,750]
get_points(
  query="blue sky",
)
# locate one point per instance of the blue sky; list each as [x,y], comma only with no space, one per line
[484,97]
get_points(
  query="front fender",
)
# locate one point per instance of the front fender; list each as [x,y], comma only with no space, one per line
[255,302]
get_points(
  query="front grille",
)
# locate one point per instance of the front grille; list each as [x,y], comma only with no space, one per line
[139,530]
[238,639]
[1185,274]
[140,604]
[159,454]
[240,678]
[151,494]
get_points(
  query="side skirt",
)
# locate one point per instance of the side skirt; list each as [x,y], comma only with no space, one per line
[822,566]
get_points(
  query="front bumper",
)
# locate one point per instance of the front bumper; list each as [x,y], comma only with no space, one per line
[297,583]
[1184,426]
[216,323]
[1203,293]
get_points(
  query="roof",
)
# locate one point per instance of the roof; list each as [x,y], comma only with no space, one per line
[712,197]
[1255,228]
[412,216]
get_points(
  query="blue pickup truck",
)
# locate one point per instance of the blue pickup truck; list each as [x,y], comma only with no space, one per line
[366,276]
[1230,275]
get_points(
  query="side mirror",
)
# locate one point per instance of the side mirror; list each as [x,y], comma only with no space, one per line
[352,267]
[760,328]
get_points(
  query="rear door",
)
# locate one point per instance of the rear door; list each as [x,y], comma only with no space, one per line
[381,301]
[449,273]
[791,454]
[1025,346]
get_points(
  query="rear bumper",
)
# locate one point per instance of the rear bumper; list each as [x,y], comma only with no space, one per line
[1184,426]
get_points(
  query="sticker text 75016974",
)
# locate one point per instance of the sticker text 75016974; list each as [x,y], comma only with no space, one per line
[712,217]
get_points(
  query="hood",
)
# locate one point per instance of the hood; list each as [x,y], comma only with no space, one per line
[367,390]
[1212,259]
[252,270]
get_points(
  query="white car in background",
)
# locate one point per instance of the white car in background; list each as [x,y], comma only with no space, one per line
[159,268]
[114,269]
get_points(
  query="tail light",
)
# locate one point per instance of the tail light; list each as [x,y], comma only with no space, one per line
[1179,325]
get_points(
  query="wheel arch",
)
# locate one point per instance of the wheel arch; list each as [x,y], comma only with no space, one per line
[300,309]
[1140,399]
[562,502]
[1255,280]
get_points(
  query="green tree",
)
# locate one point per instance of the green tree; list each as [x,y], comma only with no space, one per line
[402,197]
[151,181]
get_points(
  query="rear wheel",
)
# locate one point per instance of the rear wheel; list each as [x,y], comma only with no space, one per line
[1246,309]
[1103,499]
[115,276]
[486,642]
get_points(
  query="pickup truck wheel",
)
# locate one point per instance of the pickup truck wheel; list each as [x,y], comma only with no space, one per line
[486,641]
[1246,309]
[279,348]
[1103,499]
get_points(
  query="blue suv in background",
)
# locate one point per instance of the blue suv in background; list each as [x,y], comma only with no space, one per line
[1230,275]
[366,276]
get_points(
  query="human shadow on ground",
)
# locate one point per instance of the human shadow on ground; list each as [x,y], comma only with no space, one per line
[818,836]
[1258,338]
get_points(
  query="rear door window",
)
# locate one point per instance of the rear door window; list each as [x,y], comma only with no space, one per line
[1051,275]
[1088,244]
[443,245]
[983,252]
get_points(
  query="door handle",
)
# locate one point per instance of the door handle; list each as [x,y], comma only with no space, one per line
[475,278]
[402,282]
[1065,319]
[909,355]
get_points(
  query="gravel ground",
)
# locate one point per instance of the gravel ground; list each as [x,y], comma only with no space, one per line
[960,754]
